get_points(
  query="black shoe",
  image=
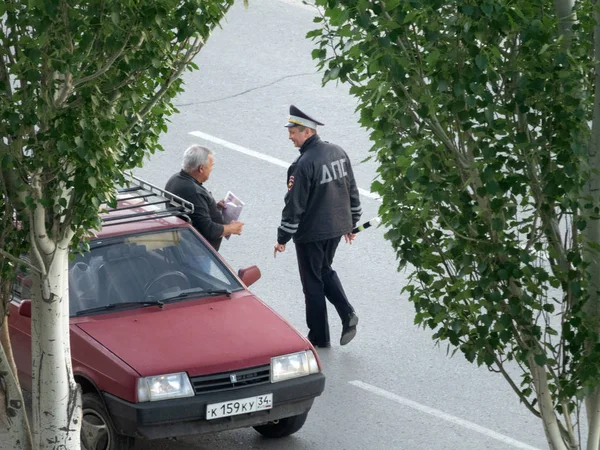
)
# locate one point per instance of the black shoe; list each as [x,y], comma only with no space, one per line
[349,329]
[319,344]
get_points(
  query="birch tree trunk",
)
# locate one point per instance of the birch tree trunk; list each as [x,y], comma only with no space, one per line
[56,396]
[592,234]
[14,426]
[549,419]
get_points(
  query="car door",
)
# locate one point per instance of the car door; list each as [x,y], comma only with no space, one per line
[19,328]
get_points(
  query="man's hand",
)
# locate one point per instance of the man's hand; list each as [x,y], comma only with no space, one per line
[278,248]
[349,238]
[234,227]
[221,204]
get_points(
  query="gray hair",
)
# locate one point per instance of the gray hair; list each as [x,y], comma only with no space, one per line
[195,156]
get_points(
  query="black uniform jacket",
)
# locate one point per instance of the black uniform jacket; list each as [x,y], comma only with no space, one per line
[207,218]
[322,201]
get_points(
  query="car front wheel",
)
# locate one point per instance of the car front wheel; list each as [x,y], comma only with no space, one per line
[282,427]
[97,432]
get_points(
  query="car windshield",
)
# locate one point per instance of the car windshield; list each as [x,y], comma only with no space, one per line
[151,267]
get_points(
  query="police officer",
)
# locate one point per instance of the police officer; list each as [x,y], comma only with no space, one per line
[322,205]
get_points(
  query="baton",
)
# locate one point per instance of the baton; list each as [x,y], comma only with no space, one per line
[367,224]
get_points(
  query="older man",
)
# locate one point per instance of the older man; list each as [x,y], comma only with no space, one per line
[322,205]
[188,184]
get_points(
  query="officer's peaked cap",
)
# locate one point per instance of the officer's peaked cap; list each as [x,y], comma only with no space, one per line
[298,118]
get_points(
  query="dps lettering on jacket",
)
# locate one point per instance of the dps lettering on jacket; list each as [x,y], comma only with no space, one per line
[333,174]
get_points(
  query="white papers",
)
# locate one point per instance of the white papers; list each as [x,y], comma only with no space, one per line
[232,208]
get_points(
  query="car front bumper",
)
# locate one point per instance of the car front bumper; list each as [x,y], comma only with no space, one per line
[187,416]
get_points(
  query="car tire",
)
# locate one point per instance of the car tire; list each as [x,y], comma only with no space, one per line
[282,427]
[97,431]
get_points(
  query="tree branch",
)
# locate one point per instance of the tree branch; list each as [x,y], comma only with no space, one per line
[513,385]
[127,80]
[104,68]
[64,224]
[38,219]
[568,423]
[552,425]
[462,236]
[175,74]
[13,187]
[19,261]
[5,78]
[8,211]
[64,91]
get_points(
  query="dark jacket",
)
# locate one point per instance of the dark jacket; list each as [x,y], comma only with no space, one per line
[322,201]
[207,218]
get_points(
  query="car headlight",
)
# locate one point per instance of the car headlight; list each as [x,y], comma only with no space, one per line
[164,387]
[293,365]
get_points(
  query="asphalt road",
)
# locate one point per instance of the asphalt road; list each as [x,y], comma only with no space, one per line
[391,388]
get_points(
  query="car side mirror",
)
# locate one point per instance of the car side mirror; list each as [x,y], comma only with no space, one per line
[25,308]
[249,275]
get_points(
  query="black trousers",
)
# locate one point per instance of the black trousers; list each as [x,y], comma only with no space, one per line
[319,280]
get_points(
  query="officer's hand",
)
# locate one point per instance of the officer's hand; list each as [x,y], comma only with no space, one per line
[349,238]
[221,204]
[278,248]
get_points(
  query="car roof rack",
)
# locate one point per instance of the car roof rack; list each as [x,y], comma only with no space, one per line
[156,202]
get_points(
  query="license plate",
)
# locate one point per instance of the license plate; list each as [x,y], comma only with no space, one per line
[241,406]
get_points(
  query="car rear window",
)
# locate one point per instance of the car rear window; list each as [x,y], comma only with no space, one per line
[143,267]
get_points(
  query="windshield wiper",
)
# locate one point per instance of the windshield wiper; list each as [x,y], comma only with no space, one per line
[227,292]
[198,293]
[158,303]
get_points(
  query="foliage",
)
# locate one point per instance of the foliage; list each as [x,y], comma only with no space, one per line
[479,112]
[86,88]
[13,241]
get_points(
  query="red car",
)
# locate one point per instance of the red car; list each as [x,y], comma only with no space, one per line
[166,339]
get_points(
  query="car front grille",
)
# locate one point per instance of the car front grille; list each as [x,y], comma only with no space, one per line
[231,380]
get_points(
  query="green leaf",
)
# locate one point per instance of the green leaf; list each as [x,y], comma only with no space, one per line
[62,146]
[481,61]
[412,174]
[433,57]
[391,5]
[487,9]
[548,307]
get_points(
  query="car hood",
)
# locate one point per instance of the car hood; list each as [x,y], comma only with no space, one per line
[198,336]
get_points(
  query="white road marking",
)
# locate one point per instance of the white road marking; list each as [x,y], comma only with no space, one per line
[258,155]
[442,415]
